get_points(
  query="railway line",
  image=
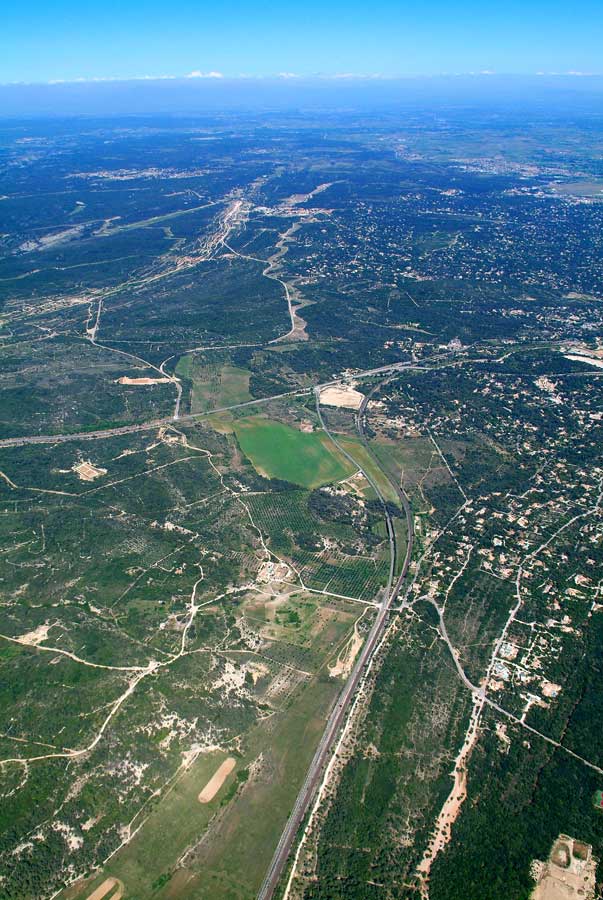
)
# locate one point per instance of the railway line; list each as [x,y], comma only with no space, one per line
[339,711]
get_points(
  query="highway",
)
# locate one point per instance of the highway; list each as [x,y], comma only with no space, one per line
[339,711]
[138,426]
[100,434]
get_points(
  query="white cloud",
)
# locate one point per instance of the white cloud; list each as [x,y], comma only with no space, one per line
[94,79]
[572,74]
[295,76]
[197,74]
[155,78]
[357,76]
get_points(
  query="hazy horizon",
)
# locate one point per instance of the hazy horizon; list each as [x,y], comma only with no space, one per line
[186,96]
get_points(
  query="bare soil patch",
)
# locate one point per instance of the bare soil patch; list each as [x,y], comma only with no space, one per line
[87,471]
[126,380]
[216,781]
[35,637]
[341,395]
[570,871]
[103,890]
[592,360]
[452,805]
[345,660]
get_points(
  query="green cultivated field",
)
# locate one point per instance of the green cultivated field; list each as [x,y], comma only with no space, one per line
[279,451]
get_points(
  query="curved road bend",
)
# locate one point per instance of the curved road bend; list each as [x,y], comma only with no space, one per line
[338,713]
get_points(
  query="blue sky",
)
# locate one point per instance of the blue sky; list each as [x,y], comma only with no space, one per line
[44,40]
